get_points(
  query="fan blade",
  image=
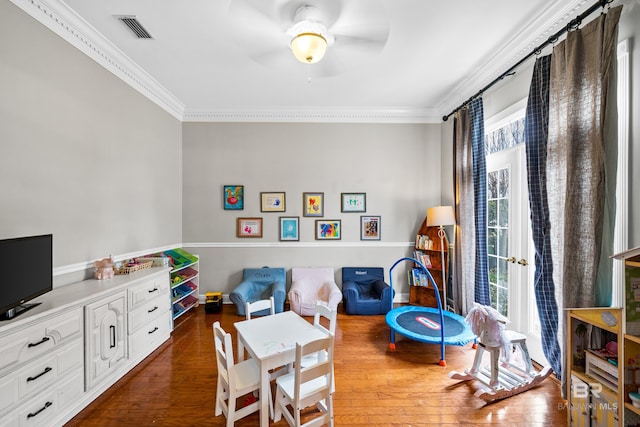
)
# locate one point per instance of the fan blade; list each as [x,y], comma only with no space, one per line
[277,58]
[370,44]
[327,68]
[360,23]
[328,11]
[256,30]
[255,14]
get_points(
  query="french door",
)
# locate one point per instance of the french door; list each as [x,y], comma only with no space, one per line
[510,245]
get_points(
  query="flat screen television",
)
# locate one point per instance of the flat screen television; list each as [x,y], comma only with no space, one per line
[27,272]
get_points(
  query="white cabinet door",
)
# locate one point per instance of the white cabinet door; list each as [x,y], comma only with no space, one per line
[106,337]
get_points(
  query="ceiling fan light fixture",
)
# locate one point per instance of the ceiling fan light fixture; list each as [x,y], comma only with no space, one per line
[309,48]
[309,43]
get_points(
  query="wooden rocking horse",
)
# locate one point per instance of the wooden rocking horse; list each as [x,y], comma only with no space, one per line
[503,378]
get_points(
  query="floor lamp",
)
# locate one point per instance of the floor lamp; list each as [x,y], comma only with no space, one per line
[440,216]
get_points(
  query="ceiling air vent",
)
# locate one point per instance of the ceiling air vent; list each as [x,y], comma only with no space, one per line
[135,26]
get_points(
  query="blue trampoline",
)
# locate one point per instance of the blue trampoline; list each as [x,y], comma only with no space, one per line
[427,324]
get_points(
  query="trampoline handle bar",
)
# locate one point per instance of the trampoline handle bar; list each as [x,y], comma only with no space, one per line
[437,292]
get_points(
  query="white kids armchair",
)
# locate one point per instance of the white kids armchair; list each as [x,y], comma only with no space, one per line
[310,285]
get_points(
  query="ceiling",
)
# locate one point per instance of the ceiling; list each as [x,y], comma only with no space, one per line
[229,60]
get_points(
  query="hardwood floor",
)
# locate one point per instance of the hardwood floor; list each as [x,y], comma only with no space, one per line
[176,385]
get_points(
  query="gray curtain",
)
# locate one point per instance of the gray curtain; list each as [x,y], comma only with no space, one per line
[464,247]
[471,277]
[580,72]
[577,168]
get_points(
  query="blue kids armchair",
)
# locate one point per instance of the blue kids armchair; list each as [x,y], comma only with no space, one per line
[365,291]
[258,284]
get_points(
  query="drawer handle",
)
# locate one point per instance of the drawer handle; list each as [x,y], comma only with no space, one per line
[153,309]
[47,369]
[33,414]
[112,328]
[153,330]
[153,290]
[42,341]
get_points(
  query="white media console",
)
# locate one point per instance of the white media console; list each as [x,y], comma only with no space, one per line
[58,357]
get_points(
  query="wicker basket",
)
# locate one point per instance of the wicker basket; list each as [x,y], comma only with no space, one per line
[133,268]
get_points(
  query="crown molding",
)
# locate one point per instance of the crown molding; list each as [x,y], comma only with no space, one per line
[62,20]
[314,115]
[65,22]
[555,15]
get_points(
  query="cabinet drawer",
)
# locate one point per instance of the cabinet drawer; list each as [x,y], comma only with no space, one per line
[38,374]
[9,392]
[24,345]
[147,312]
[148,290]
[42,409]
[41,373]
[150,336]
[9,420]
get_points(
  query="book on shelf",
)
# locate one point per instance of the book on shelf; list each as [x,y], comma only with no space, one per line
[424,242]
[425,259]
[417,277]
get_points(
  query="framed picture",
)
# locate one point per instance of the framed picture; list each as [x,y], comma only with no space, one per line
[313,204]
[233,197]
[272,202]
[353,202]
[328,229]
[249,227]
[289,228]
[369,228]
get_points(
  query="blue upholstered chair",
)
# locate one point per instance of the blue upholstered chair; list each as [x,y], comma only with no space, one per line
[257,284]
[365,291]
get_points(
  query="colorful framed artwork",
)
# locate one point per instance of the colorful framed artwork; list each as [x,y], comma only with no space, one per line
[313,204]
[289,228]
[328,229]
[233,197]
[369,228]
[272,202]
[353,202]
[249,227]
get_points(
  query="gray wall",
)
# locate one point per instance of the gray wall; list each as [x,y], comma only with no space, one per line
[397,166]
[84,156]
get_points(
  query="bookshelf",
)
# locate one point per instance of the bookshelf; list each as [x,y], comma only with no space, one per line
[428,251]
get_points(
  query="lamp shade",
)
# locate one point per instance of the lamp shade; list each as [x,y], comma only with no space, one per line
[309,47]
[440,215]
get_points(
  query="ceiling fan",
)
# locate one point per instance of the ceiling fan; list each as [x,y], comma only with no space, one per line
[334,35]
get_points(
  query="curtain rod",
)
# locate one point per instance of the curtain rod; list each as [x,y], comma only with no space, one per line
[572,25]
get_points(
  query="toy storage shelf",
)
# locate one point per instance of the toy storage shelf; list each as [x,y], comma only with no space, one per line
[617,377]
[595,389]
[185,280]
[631,350]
